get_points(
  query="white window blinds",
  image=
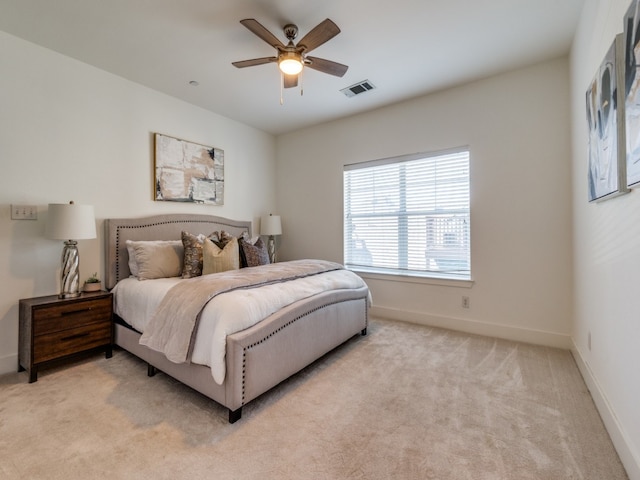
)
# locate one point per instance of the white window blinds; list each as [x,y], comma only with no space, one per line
[409,215]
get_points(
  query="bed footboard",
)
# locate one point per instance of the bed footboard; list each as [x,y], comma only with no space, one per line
[268,353]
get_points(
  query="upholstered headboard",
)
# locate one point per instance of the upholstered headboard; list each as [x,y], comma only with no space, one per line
[158,227]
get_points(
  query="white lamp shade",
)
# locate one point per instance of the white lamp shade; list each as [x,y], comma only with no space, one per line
[270,225]
[68,221]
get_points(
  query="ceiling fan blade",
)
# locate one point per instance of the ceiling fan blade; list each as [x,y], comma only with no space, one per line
[290,81]
[259,30]
[253,62]
[327,66]
[322,33]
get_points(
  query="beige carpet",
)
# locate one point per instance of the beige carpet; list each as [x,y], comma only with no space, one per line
[405,402]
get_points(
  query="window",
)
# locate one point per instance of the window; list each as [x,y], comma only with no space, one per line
[409,215]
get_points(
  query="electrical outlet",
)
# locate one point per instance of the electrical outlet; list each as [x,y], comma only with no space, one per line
[465,302]
[24,212]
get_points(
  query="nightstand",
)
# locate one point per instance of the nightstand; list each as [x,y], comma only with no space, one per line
[53,328]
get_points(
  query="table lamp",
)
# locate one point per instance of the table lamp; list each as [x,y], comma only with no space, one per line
[70,222]
[271,226]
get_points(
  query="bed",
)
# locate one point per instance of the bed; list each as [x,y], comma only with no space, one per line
[256,358]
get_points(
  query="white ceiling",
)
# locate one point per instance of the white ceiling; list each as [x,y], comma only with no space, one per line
[406,48]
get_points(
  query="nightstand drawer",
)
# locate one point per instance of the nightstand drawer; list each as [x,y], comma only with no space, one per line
[72,315]
[52,328]
[65,342]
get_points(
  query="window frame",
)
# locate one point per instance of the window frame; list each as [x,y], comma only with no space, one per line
[400,273]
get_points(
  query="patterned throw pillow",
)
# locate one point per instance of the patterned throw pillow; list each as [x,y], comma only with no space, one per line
[221,238]
[192,254]
[255,253]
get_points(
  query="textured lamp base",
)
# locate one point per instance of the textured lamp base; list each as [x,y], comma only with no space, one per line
[70,277]
[271,249]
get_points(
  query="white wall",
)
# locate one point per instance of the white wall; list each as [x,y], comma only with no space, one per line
[69,131]
[606,257]
[517,128]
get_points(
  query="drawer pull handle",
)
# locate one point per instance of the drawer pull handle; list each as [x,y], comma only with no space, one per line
[73,312]
[73,337]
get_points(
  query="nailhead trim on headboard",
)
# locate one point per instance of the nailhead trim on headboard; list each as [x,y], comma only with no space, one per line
[189,219]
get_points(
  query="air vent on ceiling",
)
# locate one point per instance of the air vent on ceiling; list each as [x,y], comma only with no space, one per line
[358,88]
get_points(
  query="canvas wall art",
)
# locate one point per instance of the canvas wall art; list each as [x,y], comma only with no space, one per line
[606,175]
[188,172]
[632,92]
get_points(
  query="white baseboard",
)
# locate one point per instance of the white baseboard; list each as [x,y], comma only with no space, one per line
[8,364]
[626,452]
[526,335]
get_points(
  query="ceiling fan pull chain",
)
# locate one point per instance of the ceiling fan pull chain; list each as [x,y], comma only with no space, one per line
[281,88]
[301,77]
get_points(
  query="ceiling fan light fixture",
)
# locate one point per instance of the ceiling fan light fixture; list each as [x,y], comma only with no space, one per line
[292,58]
[290,63]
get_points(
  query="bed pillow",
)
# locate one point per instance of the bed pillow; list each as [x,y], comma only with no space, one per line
[193,257]
[221,238]
[254,252]
[133,266]
[216,259]
[192,245]
[158,258]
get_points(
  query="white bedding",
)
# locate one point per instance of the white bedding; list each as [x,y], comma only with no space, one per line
[227,313]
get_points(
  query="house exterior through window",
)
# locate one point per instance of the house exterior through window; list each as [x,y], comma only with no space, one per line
[409,215]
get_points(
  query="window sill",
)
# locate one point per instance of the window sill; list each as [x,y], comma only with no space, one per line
[431,280]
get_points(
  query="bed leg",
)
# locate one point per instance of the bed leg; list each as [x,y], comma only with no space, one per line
[151,370]
[235,415]
[363,332]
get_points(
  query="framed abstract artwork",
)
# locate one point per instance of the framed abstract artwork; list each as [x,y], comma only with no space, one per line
[632,92]
[605,119]
[188,172]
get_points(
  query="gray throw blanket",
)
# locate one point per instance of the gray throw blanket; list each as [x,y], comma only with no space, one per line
[172,327]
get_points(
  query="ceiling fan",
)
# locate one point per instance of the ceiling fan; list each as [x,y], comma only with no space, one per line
[291,58]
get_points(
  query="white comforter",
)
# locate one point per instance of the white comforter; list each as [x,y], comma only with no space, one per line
[227,313]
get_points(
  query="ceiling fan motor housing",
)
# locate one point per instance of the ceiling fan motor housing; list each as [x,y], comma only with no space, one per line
[290,31]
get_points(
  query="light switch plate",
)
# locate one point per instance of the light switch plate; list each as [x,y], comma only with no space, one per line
[24,212]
